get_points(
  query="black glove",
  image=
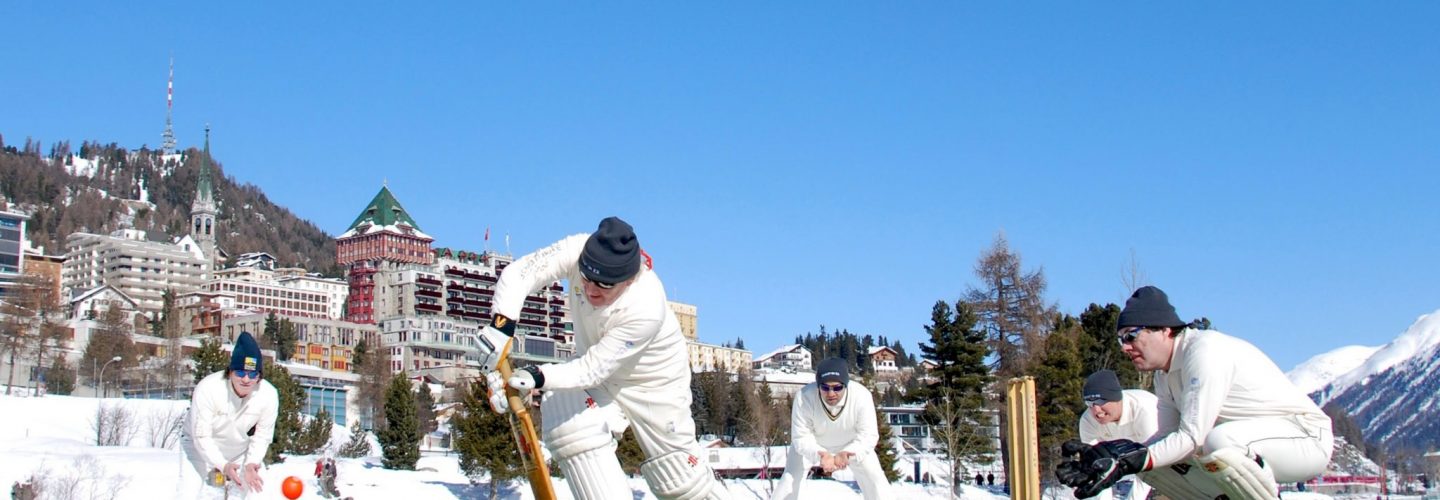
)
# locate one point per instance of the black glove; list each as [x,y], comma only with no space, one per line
[1070,472]
[1108,462]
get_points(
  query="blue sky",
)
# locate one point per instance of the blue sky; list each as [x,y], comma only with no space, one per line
[1271,166]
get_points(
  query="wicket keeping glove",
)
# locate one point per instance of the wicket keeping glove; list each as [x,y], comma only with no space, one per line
[1108,462]
[495,341]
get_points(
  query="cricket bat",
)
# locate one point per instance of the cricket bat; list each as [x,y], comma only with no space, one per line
[526,436]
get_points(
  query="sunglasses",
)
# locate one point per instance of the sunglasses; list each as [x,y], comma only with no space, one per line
[247,373]
[831,388]
[1095,401]
[1128,335]
[606,286]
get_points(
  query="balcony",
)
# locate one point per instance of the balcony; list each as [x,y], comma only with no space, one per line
[421,292]
[427,280]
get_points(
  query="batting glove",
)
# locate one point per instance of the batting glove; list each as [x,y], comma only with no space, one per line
[495,341]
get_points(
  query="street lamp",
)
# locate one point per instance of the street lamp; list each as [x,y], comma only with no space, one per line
[103,392]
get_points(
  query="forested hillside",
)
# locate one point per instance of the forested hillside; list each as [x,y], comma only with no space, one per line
[98,188]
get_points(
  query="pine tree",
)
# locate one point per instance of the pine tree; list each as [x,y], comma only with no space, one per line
[288,425]
[60,378]
[1058,383]
[885,449]
[400,438]
[955,400]
[1098,347]
[483,440]
[358,445]
[315,435]
[629,452]
[209,358]
[425,410]
[280,337]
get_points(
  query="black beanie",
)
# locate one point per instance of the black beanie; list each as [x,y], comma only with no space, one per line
[1149,307]
[1102,385]
[612,254]
[832,370]
[247,353]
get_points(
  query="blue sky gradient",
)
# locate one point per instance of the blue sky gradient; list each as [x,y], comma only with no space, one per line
[1271,166]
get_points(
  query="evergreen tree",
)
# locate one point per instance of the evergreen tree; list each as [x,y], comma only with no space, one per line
[288,425]
[956,399]
[425,410]
[60,378]
[629,452]
[885,449]
[400,438]
[209,358]
[1058,384]
[280,336]
[483,440]
[358,446]
[1099,347]
[316,434]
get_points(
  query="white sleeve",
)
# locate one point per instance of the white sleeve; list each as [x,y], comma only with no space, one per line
[625,340]
[538,269]
[1202,395]
[269,401]
[204,409]
[802,433]
[867,431]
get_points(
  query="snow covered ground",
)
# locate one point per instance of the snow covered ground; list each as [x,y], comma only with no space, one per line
[52,439]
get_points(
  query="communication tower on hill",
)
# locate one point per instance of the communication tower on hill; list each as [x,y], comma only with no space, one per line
[167,143]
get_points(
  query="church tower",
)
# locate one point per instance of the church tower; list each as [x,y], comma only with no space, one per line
[203,210]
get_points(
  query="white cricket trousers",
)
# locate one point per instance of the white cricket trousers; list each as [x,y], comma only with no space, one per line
[867,473]
[1294,449]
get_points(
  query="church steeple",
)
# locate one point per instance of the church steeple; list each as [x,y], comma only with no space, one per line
[203,210]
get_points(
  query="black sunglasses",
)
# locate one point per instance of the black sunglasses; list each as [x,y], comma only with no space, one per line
[600,284]
[831,388]
[1128,335]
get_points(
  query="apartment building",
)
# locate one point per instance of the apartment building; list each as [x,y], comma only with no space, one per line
[140,268]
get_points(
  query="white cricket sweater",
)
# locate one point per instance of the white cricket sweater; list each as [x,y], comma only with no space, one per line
[219,420]
[1214,379]
[853,429]
[1138,420]
[634,342]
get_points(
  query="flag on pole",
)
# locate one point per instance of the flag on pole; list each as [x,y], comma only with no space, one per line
[487,233]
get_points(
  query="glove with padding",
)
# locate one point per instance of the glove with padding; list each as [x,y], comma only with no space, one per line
[1110,461]
[495,341]
[1070,472]
[524,379]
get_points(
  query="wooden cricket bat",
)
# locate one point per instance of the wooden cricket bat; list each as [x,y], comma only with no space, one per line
[527,438]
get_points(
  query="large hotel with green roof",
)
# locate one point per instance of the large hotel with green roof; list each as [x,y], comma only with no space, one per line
[430,303]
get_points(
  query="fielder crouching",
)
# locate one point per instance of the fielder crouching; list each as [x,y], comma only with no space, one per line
[1231,423]
[632,368]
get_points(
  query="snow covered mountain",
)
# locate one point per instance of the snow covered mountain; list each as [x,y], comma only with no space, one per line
[1394,394]
[1317,372]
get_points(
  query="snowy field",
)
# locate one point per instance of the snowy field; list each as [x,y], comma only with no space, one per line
[52,438]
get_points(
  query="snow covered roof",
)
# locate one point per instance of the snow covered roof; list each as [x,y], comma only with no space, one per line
[876,349]
[384,213]
[781,350]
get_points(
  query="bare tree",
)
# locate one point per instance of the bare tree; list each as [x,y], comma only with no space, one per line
[1132,276]
[1010,303]
[959,431]
[766,425]
[31,323]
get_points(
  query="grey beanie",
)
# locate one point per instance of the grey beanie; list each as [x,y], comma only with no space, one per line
[1102,385]
[1149,306]
[611,254]
[832,370]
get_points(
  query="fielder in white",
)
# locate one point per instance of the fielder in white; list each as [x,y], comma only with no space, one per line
[632,368]
[1231,423]
[832,424]
[1115,413]
[230,425]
